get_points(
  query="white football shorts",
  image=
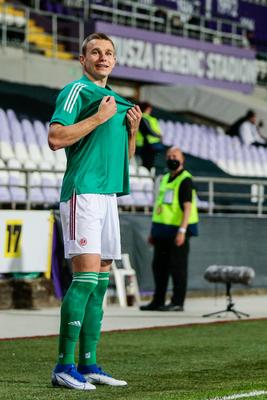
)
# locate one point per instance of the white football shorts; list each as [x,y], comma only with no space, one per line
[90,224]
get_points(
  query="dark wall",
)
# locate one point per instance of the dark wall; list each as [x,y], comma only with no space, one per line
[223,240]
[31,100]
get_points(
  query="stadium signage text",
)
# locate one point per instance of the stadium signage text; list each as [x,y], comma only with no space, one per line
[136,53]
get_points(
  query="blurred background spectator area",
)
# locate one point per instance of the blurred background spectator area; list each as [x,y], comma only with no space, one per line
[40,42]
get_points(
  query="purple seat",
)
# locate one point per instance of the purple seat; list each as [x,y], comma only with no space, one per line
[40,133]
[50,195]
[4,126]
[16,131]
[28,132]
[36,195]
[18,194]
[4,195]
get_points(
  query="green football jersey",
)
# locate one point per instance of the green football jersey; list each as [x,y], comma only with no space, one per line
[97,163]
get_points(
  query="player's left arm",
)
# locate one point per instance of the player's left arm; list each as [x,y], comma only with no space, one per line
[134,116]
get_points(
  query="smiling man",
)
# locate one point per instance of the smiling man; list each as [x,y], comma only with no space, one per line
[97,128]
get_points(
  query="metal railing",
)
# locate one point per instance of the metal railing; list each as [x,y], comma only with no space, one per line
[63,35]
[232,194]
[129,13]
[215,195]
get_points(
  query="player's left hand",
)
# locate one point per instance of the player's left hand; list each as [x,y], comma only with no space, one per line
[134,116]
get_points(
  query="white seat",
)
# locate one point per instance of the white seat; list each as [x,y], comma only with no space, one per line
[35,153]
[143,171]
[16,178]
[6,150]
[48,155]
[4,177]
[120,275]
[35,179]
[21,152]
[29,164]
[59,176]
[49,179]
[36,195]
[132,170]
[61,157]
[126,200]
[4,195]
[168,132]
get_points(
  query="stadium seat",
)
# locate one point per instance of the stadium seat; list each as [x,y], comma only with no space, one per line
[51,195]
[143,171]
[168,132]
[126,201]
[4,195]
[18,194]
[31,142]
[60,163]
[36,195]
[16,178]
[19,146]
[41,136]
[6,150]
[4,179]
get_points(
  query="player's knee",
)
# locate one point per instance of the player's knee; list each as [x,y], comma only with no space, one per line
[106,263]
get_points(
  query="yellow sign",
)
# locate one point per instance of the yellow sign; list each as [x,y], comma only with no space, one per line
[13,239]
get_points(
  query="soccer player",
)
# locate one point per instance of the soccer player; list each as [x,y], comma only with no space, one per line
[97,128]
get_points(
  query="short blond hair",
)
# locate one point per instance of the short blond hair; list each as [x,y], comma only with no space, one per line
[93,36]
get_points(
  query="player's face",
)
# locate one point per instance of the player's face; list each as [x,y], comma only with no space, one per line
[99,60]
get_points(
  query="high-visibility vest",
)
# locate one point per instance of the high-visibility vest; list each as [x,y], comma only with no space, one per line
[167,208]
[155,127]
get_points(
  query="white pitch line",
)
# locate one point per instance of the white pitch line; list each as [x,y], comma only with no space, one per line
[242,395]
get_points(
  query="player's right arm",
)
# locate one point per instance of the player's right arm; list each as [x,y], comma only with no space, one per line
[60,136]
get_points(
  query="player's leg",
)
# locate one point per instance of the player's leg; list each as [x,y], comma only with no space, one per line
[86,266]
[90,333]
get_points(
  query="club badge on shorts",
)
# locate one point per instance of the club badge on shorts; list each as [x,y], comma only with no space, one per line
[83,242]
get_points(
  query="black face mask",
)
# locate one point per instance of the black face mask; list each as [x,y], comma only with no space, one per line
[173,164]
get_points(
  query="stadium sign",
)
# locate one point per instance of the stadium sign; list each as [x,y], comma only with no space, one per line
[26,241]
[161,58]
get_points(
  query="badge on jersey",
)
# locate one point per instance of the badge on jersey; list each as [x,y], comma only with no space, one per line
[168,197]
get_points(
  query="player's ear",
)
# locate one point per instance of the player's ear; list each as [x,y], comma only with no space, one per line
[81,59]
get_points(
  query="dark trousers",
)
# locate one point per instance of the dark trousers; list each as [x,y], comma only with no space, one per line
[170,260]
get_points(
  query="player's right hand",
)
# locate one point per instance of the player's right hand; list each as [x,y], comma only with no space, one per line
[107,108]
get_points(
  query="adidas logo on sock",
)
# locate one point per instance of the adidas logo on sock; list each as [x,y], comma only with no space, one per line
[87,355]
[75,323]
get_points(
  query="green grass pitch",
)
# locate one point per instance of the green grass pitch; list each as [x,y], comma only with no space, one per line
[184,363]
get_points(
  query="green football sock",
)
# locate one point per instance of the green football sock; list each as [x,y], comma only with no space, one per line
[91,329]
[72,313]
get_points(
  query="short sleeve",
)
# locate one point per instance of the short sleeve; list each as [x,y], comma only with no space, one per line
[185,191]
[69,104]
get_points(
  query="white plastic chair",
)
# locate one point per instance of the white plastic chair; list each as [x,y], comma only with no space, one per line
[119,276]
